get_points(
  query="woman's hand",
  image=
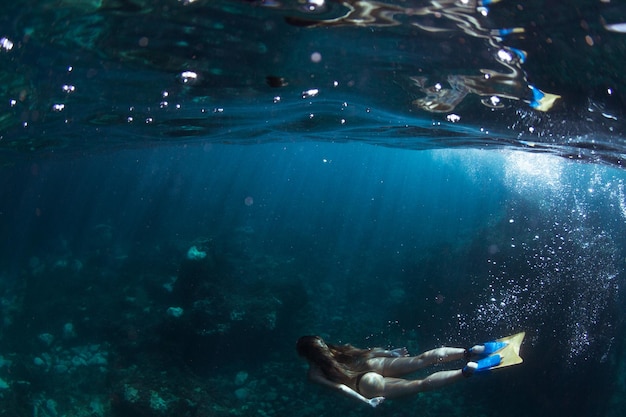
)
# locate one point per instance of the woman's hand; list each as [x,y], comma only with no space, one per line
[399,352]
[374,402]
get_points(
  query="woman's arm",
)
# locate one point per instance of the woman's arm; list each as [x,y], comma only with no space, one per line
[316,375]
[374,402]
[394,353]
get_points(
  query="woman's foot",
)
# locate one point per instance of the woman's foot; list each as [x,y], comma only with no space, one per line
[486,349]
[482,365]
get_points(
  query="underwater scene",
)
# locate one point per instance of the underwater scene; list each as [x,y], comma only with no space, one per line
[188,187]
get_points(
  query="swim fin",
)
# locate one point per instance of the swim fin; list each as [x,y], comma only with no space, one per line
[497,354]
[482,365]
[488,349]
[488,363]
[510,353]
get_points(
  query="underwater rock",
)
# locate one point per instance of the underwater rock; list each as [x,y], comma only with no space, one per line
[194,254]
[69,361]
[5,362]
[241,378]
[139,395]
[130,394]
[156,402]
[68,331]
[61,369]
[98,359]
[45,407]
[242,393]
[46,338]
[175,312]
[169,285]
[76,404]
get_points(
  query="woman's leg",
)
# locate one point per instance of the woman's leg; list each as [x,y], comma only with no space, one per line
[392,367]
[375,385]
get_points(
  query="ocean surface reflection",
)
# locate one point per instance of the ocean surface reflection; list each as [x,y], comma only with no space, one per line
[407,74]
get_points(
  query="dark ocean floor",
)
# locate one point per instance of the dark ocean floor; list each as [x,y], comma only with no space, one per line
[103,337]
[206,327]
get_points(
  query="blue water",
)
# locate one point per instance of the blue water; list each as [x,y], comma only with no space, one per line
[330,186]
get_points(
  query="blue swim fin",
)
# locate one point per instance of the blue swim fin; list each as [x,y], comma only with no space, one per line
[486,349]
[493,347]
[483,365]
[496,354]
[487,363]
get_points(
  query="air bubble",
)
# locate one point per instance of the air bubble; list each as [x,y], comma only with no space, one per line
[316,57]
[6,44]
[188,77]
[310,93]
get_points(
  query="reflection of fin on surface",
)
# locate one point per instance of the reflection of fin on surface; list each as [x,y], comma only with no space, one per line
[507,31]
[510,353]
[542,101]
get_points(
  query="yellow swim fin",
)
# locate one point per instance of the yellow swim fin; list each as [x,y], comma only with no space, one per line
[510,353]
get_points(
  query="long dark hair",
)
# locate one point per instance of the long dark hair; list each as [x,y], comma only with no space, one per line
[339,363]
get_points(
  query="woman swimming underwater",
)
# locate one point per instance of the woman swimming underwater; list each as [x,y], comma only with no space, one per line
[371,375]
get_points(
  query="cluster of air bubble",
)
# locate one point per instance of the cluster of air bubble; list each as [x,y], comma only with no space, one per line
[581,275]
[560,275]
[568,288]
